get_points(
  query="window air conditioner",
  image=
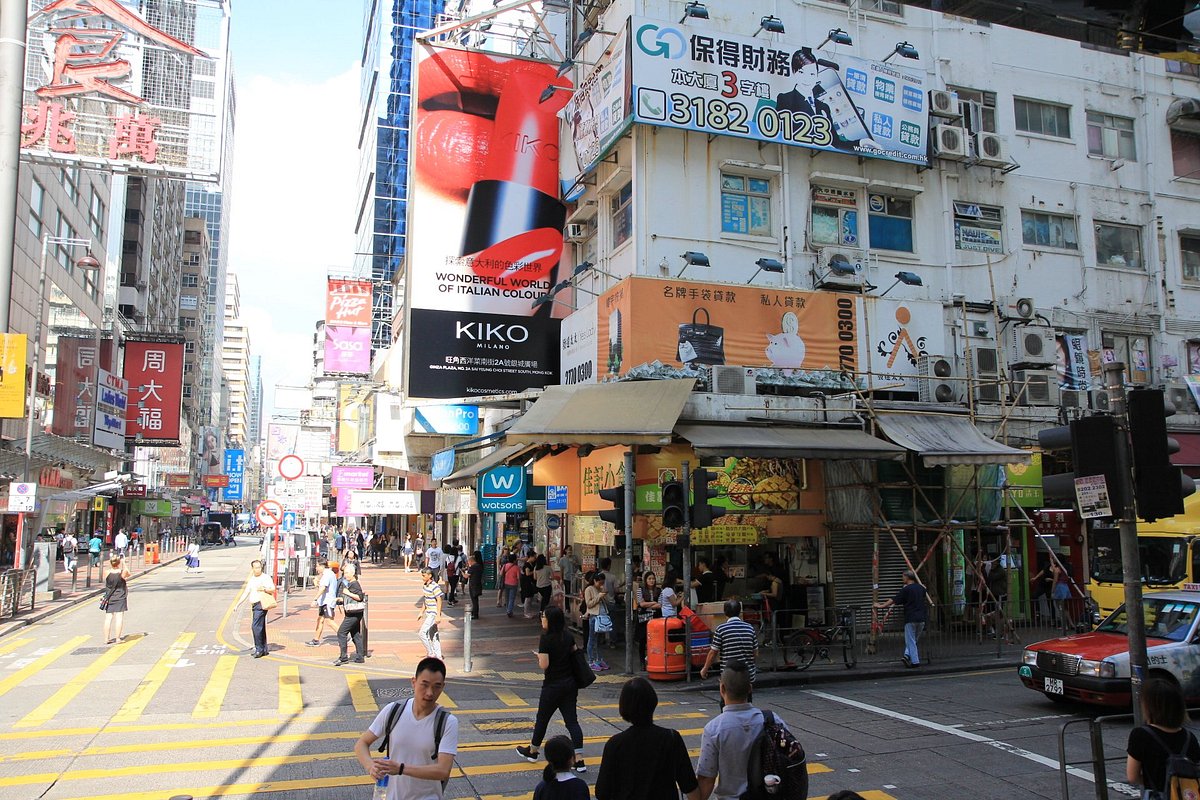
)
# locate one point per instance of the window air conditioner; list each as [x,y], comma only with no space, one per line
[944,104]
[1098,399]
[951,143]
[841,267]
[1021,307]
[727,379]
[991,150]
[1031,345]
[575,232]
[1180,396]
[984,374]
[1036,387]
[935,384]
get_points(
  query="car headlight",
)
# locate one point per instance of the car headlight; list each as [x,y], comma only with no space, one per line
[1100,669]
[1029,657]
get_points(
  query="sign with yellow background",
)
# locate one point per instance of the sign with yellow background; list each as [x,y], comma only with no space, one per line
[12,375]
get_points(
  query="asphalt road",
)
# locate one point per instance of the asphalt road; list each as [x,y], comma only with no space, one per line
[176,710]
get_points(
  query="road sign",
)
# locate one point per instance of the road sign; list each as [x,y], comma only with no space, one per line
[289,520]
[291,466]
[269,513]
[22,496]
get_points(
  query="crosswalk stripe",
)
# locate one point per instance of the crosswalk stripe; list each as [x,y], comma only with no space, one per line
[509,698]
[870,794]
[144,693]
[71,689]
[39,664]
[291,701]
[445,701]
[360,692]
[209,704]
[223,790]
[8,647]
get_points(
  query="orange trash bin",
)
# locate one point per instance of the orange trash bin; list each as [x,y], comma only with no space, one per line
[152,552]
[665,649]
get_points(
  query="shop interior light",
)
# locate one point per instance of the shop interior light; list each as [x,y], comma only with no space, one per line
[907,278]
[770,24]
[767,265]
[695,10]
[693,258]
[904,50]
[837,36]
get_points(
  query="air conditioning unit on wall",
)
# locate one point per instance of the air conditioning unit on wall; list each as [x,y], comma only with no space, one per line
[1036,387]
[944,104]
[1098,400]
[951,142]
[936,384]
[841,267]
[991,150]
[575,232]
[727,379]
[1073,398]
[983,372]
[1180,396]
[1030,345]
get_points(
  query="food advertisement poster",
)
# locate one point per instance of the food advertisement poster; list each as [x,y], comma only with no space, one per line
[485,225]
[642,320]
[698,79]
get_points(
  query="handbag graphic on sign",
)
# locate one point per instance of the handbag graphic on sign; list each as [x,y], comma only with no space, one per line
[701,343]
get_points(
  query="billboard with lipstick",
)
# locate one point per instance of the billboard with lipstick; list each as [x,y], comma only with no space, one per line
[485,226]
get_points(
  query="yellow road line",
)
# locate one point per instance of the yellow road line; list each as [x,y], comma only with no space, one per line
[291,701]
[445,701]
[7,648]
[224,790]
[871,794]
[71,689]
[209,704]
[360,692]
[28,671]
[144,693]
[509,698]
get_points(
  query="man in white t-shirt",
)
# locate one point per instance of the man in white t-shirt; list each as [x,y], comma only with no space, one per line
[326,601]
[69,545]
[433,560]
[417,759]
[121,542]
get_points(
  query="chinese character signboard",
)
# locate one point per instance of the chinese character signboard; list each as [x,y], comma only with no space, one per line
[154,371]
[12,375]
[215,481]
[105,87]
[235,468]
[348,303]
[596,116]
[178,480]
[75,385]
[347,350]
[577,345]
[112,406]
[724,84]
[485,238]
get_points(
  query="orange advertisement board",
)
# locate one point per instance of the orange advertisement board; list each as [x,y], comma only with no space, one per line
[643,319]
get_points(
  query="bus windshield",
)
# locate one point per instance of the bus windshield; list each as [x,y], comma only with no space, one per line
[1163,558]
[1165,619]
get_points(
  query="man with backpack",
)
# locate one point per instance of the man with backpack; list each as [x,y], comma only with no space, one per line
[747,753]
[418,739]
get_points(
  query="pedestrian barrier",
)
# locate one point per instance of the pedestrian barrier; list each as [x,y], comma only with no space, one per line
[1097,756]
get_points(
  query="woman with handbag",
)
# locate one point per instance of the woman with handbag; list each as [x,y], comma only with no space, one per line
[260,591]
[510,579]
[560,691]
[353,605]
[116,599]
[598,620]
[646,597]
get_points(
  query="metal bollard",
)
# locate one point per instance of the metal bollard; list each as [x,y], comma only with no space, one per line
[74,576]
[467,642]
[285,592]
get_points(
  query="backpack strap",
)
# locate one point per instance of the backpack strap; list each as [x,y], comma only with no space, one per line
[1163,743]
[439,728]
[385,744]
[768,718]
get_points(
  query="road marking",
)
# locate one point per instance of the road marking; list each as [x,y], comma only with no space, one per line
[38,664]
[445,702]
[69,690]
[511,699]
[360,692]
[8,647]
[144,693]
[209,704]
[223,790]
[291,701]
[1020,752]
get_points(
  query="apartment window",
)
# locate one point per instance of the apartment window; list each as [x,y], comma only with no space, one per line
[1189,247]
[189,302]
[203,66]
[621,205]
[1185,153]
[890,222]
[191,281]
[1110,136]
[96,214]
[1048,119]
[70,181]
[834,216]
[978,228]
[203,89]
[1049,230]
[745,205]
[1118,246]
[883,6]
[37,202]
[978,109]
[189,347]
[62,253]
[187,391]
[187,323]
[1131,349]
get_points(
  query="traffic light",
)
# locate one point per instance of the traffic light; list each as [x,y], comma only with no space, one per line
[1159,485]
[1093,445]
[703,514]
[674,504]
[615,515]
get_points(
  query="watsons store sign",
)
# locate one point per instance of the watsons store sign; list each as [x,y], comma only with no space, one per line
[502,489]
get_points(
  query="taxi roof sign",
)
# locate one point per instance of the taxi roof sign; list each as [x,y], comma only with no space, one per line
[1191,587]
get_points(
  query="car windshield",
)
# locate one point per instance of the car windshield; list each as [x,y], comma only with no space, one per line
[1165,619]
[1163,558]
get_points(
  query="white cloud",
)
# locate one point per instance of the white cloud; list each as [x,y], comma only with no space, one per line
[293,204]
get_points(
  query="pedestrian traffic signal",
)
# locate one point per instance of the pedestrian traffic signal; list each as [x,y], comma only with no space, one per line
[674,504]
[1158,485]
[1093,445]
[703,514]
[615,515]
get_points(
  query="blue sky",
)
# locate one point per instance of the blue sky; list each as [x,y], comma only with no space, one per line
[266,34]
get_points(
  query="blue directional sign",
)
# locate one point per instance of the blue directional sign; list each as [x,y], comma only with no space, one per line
[556,498]
[289,520]
[447,420]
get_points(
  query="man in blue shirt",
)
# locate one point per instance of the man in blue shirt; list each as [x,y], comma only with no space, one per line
[728,737]
[912,598]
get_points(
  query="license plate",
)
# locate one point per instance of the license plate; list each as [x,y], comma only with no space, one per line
[1054,685]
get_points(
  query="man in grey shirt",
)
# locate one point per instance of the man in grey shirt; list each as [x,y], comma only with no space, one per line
[568,565]
[728,737]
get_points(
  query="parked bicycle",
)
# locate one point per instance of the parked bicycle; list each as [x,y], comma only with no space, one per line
[808,644]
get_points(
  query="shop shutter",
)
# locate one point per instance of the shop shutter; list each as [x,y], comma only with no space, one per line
[851,557]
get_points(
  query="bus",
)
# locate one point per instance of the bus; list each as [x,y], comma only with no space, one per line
[1169,551]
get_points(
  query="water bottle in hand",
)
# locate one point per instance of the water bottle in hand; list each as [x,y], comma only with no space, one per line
[381,789]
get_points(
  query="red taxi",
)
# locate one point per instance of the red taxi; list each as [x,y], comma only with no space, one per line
[1094,667]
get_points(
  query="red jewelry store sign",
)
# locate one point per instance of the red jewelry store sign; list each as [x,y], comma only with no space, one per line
[155,374]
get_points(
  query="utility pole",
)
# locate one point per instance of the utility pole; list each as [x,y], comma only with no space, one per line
[630,644]
[14,19]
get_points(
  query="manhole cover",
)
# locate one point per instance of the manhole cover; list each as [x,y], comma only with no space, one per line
[89,651]
[390,692]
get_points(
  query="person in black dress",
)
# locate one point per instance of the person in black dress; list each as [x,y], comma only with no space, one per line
[116,595]
[559,691]
[644,761]
[352,621]
[475,582]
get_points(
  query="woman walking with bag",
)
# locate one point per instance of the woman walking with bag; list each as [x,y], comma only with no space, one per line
[598,620]
[260,590]
[645,761]
[116,599]
[510,578]
[559,690]
[353,606]
[1162,735]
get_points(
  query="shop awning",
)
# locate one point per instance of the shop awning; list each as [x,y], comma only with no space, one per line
[744,441]
[601,415]
[942,439]
[497,458]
